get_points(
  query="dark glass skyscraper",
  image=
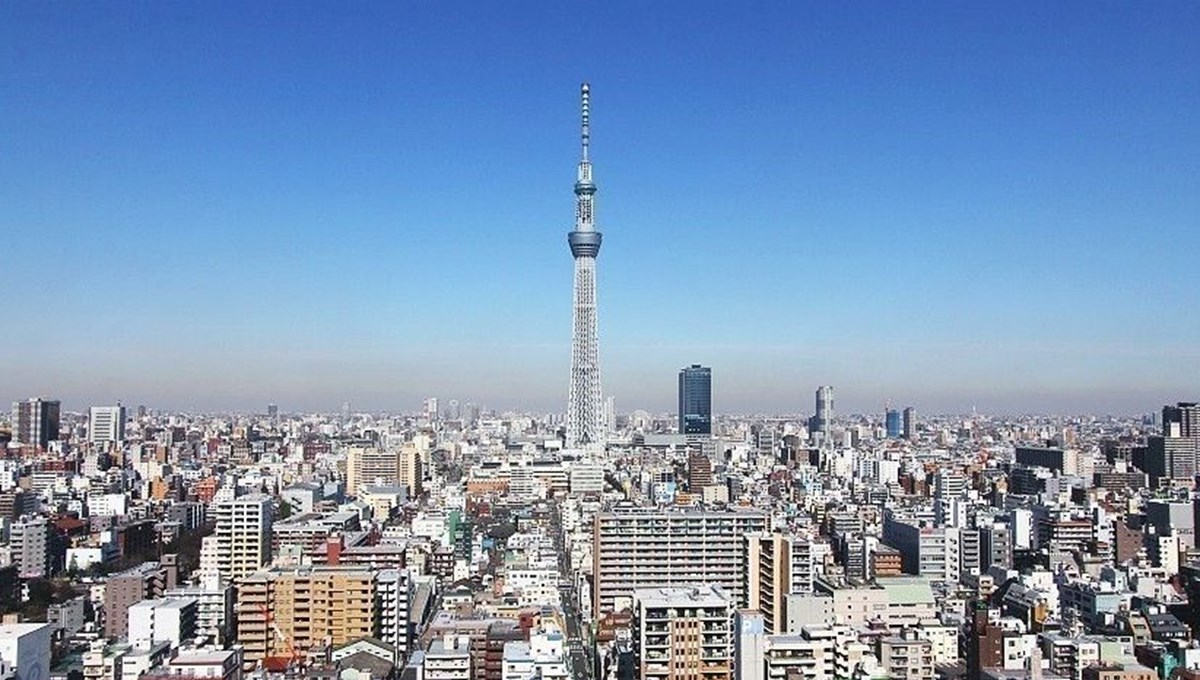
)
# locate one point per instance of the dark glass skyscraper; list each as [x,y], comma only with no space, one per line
[892,421]
[695,400]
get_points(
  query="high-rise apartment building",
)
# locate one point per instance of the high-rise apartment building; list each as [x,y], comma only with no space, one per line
[36,546]
[127,588]
[106,424]
[683,633]
[585,405]
[695,400]
[700,472]
[314,606]
[241,542]
[637,548]
[35,422]
[373,466]
[411,471]
[777,565]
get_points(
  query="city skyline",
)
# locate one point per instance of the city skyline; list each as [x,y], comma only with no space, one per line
[979,207]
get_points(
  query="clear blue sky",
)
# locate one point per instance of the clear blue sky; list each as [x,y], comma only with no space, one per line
[214,205]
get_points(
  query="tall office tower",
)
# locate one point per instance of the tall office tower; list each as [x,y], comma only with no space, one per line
[636,548]
[35,422]
[431,409]
[241,543]
[273,412]
[1181,420]
[585,406]
[822,422]
[452,410]
[683,633]
[910,422]
[1175,455]
[106,424]
[892,423]
[695,400]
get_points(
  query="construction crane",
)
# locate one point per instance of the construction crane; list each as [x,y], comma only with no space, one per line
[293,655]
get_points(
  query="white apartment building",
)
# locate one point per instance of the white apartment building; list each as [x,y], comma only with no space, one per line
[214,607]
[171,620]
[448,658]
[393,596]
[241,543]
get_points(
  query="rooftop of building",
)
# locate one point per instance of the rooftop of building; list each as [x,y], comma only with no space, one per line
[382,490]
[16,630]
[165,603]
[202,657]
[699,596]
[449,646]
[907,589]
[144,569]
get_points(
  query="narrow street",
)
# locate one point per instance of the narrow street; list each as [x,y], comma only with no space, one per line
[580,653]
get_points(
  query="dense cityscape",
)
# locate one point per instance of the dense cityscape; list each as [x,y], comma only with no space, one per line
[458,543]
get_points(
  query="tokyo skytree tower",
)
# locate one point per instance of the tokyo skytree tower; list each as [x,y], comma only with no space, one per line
[585,409]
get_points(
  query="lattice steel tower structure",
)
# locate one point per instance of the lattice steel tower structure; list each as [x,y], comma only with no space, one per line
[585,407]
